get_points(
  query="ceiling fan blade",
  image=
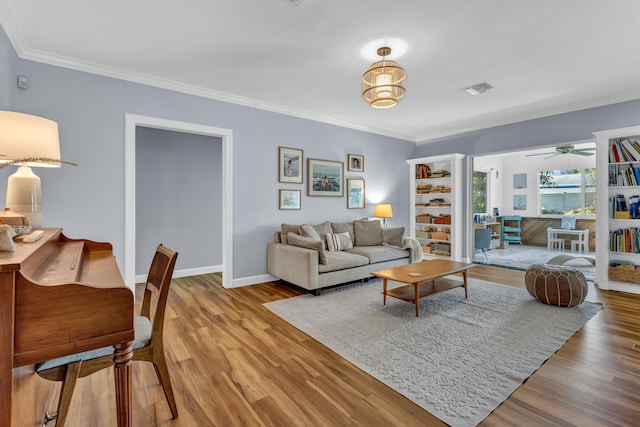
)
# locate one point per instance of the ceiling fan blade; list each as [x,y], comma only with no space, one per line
[553,155]
[541,154]
[583,153]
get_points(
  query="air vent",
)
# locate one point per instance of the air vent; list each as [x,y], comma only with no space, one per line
[479,88]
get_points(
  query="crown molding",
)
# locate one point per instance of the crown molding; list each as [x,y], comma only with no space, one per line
[26,53]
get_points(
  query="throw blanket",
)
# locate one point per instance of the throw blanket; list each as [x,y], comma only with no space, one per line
[415,252]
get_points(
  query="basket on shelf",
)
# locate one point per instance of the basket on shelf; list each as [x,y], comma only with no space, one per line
[440,235]
[423,219]
[423,234]
[622,274]
[442,219]
[442,249]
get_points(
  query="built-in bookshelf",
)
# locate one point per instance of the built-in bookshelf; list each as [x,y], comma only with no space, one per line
[618,230]
[436,204]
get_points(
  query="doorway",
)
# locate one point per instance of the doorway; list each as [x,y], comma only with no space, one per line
[515,188]
[225,135]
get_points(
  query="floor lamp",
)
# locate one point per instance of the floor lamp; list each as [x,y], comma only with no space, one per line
[27,141]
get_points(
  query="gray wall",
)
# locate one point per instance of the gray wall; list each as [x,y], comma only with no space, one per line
[178,197]
[88,200]
[8,73]
[553,130]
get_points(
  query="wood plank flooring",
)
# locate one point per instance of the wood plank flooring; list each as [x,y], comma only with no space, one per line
[234,363]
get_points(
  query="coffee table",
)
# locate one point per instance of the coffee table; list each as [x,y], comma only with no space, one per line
[423,279]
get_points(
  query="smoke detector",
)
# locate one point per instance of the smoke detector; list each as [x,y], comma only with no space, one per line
[478,88]
[294,2]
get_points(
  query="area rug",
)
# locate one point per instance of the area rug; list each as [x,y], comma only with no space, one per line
[459,360]
[519,257]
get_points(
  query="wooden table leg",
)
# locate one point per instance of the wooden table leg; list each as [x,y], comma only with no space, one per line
[384,291]
[122,370]
[416,288]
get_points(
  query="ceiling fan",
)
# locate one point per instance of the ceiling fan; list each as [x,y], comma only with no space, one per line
[567,149]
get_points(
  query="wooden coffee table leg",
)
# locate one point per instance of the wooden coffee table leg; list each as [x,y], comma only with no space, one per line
[384,291]
[416,287]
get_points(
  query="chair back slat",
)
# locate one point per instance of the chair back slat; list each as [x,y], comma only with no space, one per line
[157,287]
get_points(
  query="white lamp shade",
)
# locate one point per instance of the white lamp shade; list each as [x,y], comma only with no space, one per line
[23,136]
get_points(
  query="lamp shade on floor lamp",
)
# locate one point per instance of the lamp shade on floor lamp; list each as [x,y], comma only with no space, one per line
[28,141]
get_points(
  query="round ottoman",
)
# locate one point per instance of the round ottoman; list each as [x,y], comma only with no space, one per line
[556,285]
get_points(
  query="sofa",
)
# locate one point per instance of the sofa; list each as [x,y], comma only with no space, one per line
[327,254]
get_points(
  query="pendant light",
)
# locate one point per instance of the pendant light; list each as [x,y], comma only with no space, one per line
[383,84]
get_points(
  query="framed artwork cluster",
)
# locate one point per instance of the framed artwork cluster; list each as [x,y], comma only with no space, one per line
[325,178]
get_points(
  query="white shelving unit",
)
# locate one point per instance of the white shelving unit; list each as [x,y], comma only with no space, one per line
[438,195]
[610,185]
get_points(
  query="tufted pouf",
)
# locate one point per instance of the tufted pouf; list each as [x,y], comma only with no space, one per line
[556,285]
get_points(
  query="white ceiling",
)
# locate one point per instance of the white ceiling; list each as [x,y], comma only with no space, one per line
[543,57]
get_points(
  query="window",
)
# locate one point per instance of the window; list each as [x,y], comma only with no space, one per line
[480,192]
[568,192]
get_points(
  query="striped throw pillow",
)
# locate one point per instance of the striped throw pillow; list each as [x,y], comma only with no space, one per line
[339,241]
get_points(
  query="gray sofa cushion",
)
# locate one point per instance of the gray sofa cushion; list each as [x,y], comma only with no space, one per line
[309,231]
[308,243]
[322,229]
[379,253]
[368,233]
[286,229]
[344,227]
[341,261]
[393,236]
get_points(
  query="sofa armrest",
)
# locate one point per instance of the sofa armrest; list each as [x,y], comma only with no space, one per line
[294,264]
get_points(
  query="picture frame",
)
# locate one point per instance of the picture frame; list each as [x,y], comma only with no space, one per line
[325,178]
[496,212]
[290,165]
[520,202]
[520,181]
[355,193]
[290,199]
[355,163]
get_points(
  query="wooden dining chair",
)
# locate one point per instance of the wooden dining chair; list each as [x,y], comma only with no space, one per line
[148,345]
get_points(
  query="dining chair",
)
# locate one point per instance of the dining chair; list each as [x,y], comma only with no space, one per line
[147,346]
[482,238]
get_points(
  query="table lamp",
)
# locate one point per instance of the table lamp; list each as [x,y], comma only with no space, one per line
[27,141]
[384,211]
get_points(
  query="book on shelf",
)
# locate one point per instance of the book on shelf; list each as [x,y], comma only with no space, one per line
[630,152]
[621,203]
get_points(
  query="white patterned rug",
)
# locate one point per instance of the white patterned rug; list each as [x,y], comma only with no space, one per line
[459,360]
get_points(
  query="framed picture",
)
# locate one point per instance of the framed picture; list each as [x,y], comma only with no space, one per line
[355,163]
[290,162]
[520,202]
[355,193]
[496,213]
[520,180]
[290,199]
[325,178]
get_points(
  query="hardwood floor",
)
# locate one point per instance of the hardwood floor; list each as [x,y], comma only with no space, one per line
[234,363]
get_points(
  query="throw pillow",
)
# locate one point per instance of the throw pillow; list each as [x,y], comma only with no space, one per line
[308,243]
[339,241]
[368,233]
[285,229]
[322,229]
[342,227]
[309,231]
[393,236]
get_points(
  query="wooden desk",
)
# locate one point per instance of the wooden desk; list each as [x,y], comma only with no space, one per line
[60,296]
[425,279]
